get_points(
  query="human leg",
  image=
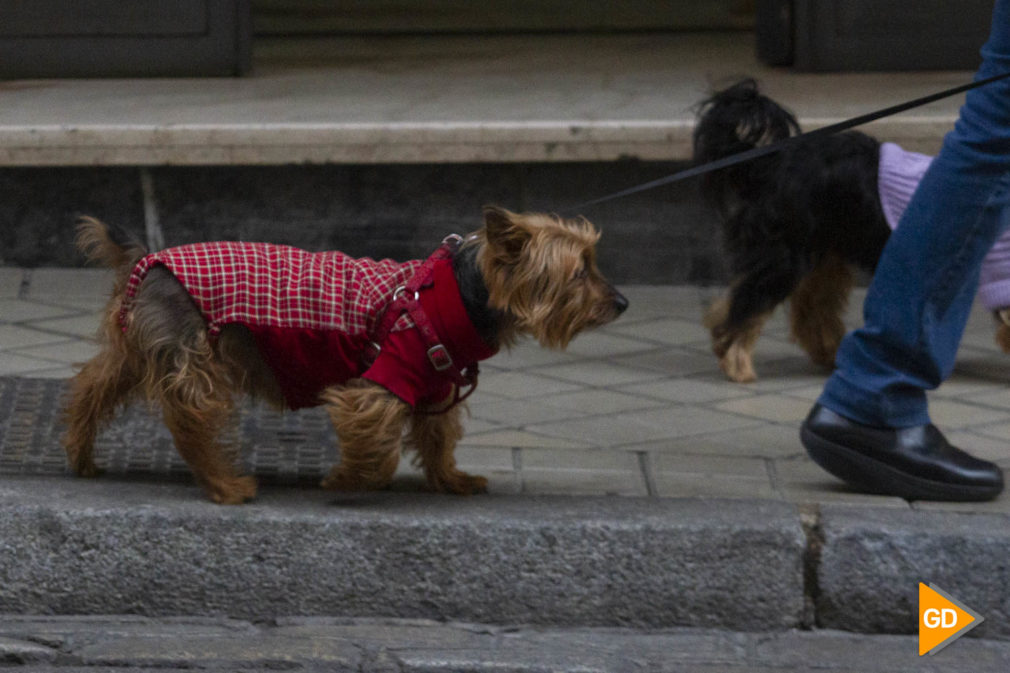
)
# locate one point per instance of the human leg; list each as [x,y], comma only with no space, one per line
[922,290]
[918,304]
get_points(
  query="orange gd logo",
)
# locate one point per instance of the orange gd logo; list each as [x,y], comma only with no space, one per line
[942,619]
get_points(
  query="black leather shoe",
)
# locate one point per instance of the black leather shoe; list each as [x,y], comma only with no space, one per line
[914,463]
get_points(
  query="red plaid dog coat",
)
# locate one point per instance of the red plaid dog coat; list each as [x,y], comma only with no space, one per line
[313,315]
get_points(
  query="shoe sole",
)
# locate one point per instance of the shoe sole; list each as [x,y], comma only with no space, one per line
[880,478]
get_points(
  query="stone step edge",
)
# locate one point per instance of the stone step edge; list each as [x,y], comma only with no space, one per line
[280,144]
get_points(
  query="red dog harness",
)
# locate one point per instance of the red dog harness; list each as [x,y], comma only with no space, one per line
[321,319]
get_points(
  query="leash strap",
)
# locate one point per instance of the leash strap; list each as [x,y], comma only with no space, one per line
[751,154]
[406,299]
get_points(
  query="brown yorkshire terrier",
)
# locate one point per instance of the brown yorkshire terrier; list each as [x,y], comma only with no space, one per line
[378,343]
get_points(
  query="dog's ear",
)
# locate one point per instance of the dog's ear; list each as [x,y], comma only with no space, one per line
[506,234]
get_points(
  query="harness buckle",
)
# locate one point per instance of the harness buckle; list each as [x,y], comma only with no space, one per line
[438,356]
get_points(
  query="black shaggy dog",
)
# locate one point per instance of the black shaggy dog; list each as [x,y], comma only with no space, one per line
[795,224]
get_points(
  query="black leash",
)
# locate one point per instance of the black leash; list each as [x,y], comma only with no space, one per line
[749,155]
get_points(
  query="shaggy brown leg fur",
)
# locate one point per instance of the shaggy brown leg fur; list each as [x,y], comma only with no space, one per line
[196,434]
[166,357]
[817,307]
[110,378]
[195,394]
[734,347]
[186,377]
[435,437]
[102,385]
[369,421]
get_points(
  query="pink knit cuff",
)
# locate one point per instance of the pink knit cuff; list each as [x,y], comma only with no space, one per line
[995,294]
[899,175]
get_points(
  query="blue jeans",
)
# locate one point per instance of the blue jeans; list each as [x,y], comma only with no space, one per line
[921,294]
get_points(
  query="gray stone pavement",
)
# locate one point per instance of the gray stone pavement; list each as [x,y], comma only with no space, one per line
[638,408]
[418,646]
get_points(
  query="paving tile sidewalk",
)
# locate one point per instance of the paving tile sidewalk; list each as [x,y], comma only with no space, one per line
[638,408]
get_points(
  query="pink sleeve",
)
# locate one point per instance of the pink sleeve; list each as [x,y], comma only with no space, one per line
[994,283]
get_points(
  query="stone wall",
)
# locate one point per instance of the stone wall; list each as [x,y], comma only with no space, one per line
[664,236]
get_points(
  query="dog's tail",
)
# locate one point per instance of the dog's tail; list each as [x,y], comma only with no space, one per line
[108,246]
[737,119]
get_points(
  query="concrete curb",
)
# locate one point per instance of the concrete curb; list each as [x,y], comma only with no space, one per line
[873,559]
[114,546]
[111,546]
[70,546]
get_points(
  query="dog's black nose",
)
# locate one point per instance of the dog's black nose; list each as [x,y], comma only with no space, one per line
[620,302]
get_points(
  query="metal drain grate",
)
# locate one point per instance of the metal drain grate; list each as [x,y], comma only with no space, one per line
[290,447]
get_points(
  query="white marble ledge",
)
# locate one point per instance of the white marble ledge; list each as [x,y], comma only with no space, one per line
[440,99]
[344,143]
[264,144]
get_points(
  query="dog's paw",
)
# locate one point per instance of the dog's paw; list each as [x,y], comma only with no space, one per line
[722,341]
[737,365]
[821,347]
[339,481]
[820,341]
[342,479]
[81,460]
[824,356]
[233,491]
[85,467]
[89,471]
[458,483]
